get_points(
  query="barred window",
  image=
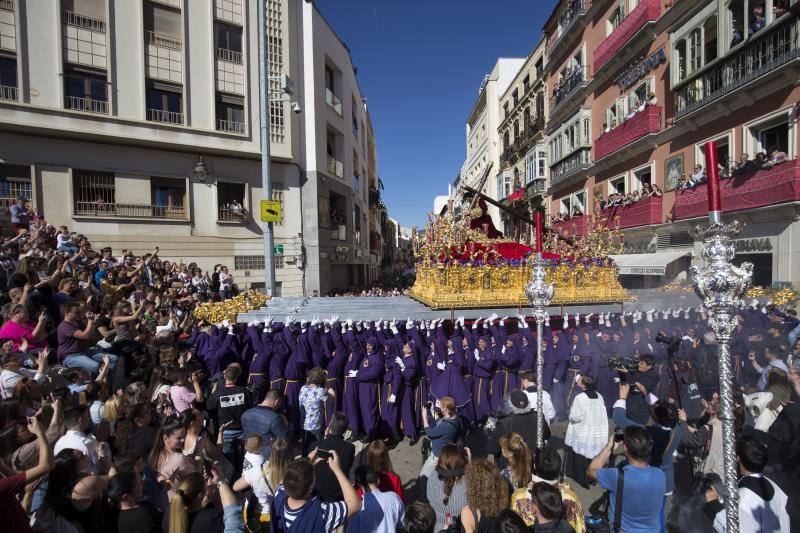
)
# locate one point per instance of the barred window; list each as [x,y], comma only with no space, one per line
[93,191]
[278,191]
[255,262]
[15,182]
[248,262]
[275,65]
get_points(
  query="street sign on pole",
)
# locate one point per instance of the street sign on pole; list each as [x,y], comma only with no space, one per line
[271,211]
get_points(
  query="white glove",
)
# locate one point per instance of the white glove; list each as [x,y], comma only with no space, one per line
[399,361]
[394,329]
[764,310]
[769,302]
[475,324]
[754,303]
[392,398]
[555,380]
[588,318]
[251,324]
[379,326]
[547,320]
[225,323]
[477,355]
[577,319]
[520,324]
[352,373]
[409,324]
[268,321]
[288,321]
[577,377]
[440,366]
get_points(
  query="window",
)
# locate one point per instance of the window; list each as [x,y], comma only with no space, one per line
[249,262]
[617,185]
[278,289]
[515,97]
[231,202]
[355,171]
[680,62]
[539,67]
[357,224]
[526,83]
[516,130]
[506,140]
[230,114]
[354,115]
[277,194]
[15,182]
[505,110]
[710,37]
[723,151]
[94,192]
[639,94]
[85,91]
[164,104]
[162,20]
[526,119]
[8,77]
[574,204]
[331,92]
[168,198]
[615,113]
[337,216]
[329,78]
[504,184]
[615,18]
[641,176]
[695,50]
[229,38]
[535,163]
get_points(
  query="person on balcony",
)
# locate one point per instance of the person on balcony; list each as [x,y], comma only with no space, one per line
[237,210]
[577,212]
[738,34]
[651,99]
[685,182]
[757,20]
[698,174]
[776,157]
[647,192]
[657,191]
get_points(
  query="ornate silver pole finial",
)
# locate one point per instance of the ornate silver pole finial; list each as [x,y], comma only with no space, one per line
[539,293]
[721,285]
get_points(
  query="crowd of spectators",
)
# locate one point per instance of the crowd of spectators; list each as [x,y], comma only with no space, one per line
[733,167]
[123,412]
[622,199]
[370,292]
[643,104]
[757,20]
[567,82]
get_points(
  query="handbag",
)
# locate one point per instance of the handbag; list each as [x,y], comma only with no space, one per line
[600,524]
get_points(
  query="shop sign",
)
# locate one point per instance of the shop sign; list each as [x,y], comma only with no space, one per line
[342,249]
[639,248]
[753,245]
[637,71]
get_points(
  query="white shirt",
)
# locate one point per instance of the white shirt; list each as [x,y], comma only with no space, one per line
[758,515]
[87,445]
[547,404]
[253,473]
[9,378]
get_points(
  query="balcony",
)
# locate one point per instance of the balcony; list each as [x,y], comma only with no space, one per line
[230,126]
[640,125]
[570,166]
[335,167]
[71,18]
[642,213]
[574,227]
[333,101]
[7,5]
[646,12]
[8,92]
[763,54]
[537,187]
[226,214]
[231,56]
[101,209]
[87,105]
[749,190]
[576,82]
[161,115]
[574,10]
[163,41]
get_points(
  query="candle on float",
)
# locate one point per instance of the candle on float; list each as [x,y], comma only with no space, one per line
[712,175]
[539,233]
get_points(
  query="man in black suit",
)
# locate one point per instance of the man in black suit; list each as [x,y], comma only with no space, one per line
[325,481]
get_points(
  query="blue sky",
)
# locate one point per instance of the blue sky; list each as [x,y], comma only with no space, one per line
[420,63]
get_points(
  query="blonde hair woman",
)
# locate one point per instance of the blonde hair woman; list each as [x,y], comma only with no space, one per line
[519,470]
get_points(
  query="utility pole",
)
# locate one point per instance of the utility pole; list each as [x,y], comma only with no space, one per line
[264,119]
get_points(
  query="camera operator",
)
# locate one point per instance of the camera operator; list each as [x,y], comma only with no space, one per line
[446,430]
[644,380]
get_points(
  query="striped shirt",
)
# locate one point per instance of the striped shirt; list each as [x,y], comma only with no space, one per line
[333,514]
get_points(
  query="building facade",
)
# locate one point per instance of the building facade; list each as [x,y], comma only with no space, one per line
[522,180]
[637,88]
[482,138]
[136,122]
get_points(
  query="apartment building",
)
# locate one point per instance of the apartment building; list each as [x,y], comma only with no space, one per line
[637,87]
[136,122]
[522,180]
[482,138]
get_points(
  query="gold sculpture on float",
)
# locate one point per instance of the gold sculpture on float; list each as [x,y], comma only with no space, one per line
[461,268]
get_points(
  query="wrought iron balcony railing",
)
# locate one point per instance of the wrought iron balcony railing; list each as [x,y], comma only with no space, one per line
[82,21]
[165,41]
[765,52]
[162,115]
[8,92]
[230,126]
[86,104]
[102,209]
[571,165]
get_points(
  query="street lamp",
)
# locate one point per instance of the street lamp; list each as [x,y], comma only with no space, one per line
[200,170]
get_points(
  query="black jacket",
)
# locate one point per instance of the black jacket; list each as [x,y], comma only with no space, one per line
[325,481]
[524,424]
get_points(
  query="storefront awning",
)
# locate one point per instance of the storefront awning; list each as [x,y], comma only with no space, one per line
[646,264]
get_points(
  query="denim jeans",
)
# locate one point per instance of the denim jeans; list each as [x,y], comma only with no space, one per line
[229,437]
[90,361]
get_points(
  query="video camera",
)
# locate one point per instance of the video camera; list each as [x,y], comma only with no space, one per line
[628,363]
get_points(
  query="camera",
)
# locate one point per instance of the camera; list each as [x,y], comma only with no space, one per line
[628,363]
[324,454]
[296,109]
[619,434]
